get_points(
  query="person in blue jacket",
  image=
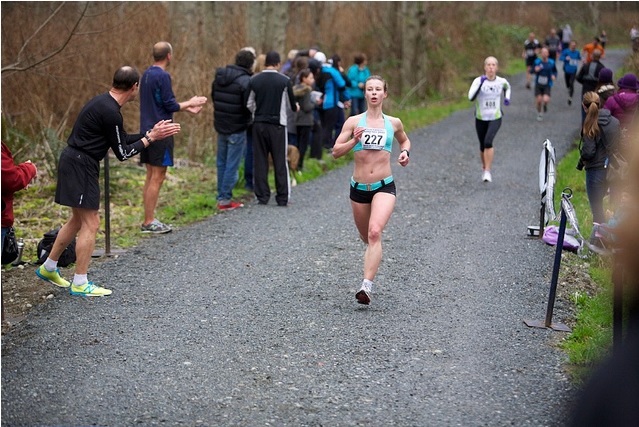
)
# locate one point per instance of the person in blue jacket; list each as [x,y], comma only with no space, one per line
[545,75]
[331,83]
[357,74]
[571,58]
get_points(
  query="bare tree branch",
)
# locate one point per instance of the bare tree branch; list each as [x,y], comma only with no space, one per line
[16,65]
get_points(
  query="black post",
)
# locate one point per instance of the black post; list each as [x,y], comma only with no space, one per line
[107,209]
[555,269]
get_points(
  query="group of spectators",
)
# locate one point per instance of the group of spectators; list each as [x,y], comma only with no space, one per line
[307,109]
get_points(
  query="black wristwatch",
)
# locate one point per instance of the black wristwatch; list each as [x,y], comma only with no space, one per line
[407,152]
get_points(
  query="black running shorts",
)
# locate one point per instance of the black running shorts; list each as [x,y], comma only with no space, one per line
[542,90]
[159,153]
[78,180]
[363,196]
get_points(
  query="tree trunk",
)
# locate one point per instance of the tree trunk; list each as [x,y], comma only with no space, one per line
[413,56]
[266,26]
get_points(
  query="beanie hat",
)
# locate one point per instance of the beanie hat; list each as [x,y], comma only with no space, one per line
[272,58]
[629,81]
[314,65]
[605,76]
[321,57]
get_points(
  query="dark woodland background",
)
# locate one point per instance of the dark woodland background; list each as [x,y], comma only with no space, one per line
[57,55]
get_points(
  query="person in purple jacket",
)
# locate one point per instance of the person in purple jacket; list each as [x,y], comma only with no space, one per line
[625,103]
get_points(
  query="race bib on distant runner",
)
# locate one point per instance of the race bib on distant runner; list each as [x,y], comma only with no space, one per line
[490,104]
[574,62]
[373,139]
[542,80]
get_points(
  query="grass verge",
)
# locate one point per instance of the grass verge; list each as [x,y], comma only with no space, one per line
[591,337]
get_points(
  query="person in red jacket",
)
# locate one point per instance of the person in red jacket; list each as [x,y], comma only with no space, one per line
[14,178]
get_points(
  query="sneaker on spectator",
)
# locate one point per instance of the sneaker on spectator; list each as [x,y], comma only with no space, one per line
[89,290]
[230,206]
[486,176]
[156,227]
[52,276]
[363,296]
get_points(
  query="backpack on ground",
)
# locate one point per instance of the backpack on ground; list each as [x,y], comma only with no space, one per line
[45,245]
[551,237]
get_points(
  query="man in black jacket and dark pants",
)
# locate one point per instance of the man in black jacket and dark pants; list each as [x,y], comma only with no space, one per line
[267,100]
[231,118]
[588,76]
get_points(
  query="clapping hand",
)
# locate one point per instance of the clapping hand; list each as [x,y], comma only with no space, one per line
[195,104]
[164,129]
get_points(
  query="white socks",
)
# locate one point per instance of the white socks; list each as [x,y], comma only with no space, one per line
[80,279]
[50,265]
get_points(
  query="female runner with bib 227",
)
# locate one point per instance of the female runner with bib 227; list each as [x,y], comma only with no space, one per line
[370,135]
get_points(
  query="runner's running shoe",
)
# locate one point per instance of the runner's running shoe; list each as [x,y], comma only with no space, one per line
[89,290]
[52,276]
[364,294]
[156,227]
[487,177]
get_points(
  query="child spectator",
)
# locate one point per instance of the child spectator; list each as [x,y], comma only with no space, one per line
[304,117]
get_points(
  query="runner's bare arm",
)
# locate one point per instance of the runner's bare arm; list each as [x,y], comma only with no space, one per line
[344,142]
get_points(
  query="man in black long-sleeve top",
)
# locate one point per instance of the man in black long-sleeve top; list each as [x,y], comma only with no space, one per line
[268,93]
[99,126]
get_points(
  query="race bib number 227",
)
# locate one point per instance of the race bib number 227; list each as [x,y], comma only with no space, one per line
[373,139]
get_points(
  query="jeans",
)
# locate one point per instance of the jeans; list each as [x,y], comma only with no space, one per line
[596,188]
[358,106]
[229,154]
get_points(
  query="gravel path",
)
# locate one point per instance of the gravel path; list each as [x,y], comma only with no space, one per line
[249,318]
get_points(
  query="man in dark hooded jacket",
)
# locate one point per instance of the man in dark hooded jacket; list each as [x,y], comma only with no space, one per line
[231,118]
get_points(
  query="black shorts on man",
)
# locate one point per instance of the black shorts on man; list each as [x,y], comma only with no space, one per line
[78,180]
[159,153]
[542,90]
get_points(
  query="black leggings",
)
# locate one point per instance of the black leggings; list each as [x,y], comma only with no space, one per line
[486,131]
[570,83]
